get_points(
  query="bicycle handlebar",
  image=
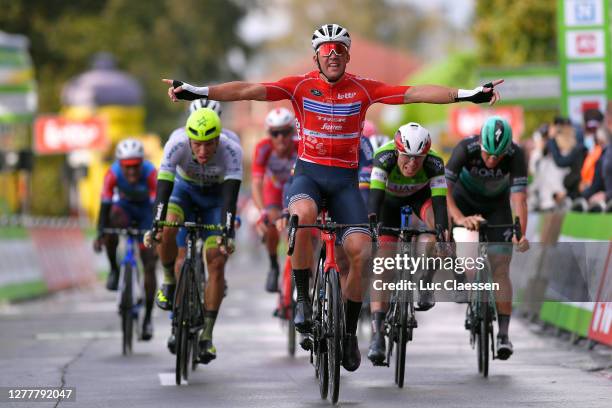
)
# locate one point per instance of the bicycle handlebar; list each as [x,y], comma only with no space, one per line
[516,227]
[294,225]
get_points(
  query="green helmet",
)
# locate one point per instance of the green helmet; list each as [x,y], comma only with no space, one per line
[203,125]
[496,135]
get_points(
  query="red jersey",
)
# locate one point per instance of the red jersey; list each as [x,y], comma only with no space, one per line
[267,164]
[330,116]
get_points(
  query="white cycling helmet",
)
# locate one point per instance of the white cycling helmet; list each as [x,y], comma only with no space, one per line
[205,103]
[279,118]
[331,33]
[130,151]
[378,141]
[412,139]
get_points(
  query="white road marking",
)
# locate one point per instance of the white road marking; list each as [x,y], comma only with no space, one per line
[169,379]
[79,335]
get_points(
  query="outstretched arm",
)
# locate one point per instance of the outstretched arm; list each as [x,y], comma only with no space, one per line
[442,94]
[226,92]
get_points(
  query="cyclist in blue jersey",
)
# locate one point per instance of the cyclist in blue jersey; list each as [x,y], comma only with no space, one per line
[127,200]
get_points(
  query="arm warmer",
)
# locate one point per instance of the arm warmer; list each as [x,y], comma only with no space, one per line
[229,193]
[375,200]
[440,211]
[163,193]
[104,216]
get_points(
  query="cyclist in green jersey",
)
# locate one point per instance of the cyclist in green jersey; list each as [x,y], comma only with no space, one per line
[406,172]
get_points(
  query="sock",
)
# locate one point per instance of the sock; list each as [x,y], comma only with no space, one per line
[169,277]
[378,319]
[274,261]
[352,315]
[301,277]
[504,323]
[210,316]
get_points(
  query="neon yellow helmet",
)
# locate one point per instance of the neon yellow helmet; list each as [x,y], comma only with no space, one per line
[203,125]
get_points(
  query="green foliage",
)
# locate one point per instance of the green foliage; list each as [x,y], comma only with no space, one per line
[186,39]
[513,33]
[183,39]
[49,190]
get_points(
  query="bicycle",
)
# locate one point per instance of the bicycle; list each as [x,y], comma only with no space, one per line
[481,310]
[130,290]
[188,305]
[400,320]
[328,328]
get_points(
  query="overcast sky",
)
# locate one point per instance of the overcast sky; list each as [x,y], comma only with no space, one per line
[259,26]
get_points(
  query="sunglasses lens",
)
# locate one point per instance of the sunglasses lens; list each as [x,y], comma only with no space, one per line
[326,49]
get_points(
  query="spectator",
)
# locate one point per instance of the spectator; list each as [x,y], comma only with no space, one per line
[567,153]
[593,120]
[547,184]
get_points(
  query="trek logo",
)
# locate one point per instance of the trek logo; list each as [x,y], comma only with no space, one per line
[347,95]
[316,92]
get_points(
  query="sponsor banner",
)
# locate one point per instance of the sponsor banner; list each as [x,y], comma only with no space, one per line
[577,104]
[467,121]
[601,325]
[585,44]
[55,135]
[586,76]
[584,13]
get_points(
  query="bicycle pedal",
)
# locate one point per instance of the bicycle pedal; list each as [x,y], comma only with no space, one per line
[413,324]
[306,344]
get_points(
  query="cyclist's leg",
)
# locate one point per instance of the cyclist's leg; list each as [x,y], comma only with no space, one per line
[273,202]
[304,201]
[500,255]
[426,246]
[347,206]
[143,217]
[119,218]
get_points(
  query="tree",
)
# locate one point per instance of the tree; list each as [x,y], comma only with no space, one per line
[513,33]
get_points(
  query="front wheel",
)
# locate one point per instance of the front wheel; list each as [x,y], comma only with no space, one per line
[126,306]
[400,356]
[484,336]
[334,332]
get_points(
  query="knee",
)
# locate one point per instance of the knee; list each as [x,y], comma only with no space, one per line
[305,209]
[358,250]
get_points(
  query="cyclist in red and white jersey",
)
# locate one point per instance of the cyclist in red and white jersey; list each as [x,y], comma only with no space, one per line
[273,159]
[330,106]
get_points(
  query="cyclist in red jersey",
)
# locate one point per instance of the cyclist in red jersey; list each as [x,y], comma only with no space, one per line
[330,106]
[273,159]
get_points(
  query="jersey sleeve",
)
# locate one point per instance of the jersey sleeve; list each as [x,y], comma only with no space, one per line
[172,152]
[260,159]
[233,161]
[382,93]
[434,169]
[108,186]
[152,183]
[456,162]
[384,161]
[518,171]
[281,89]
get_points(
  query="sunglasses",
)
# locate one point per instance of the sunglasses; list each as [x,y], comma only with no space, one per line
[491,156]
[326,49]
[277,133]
[412,157]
